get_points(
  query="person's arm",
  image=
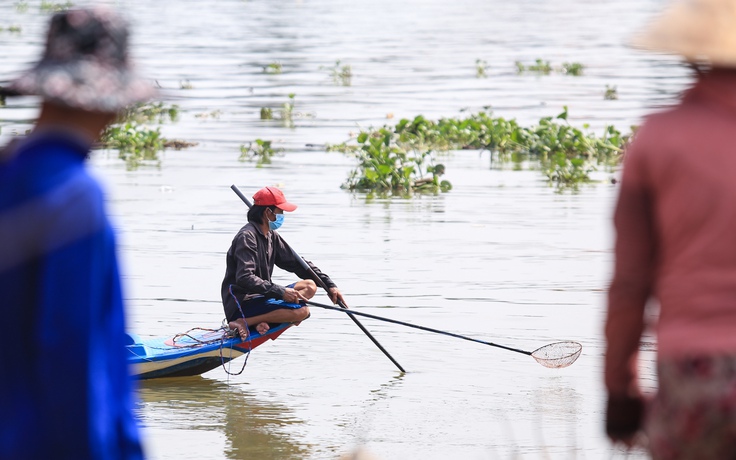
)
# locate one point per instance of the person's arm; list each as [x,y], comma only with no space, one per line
[628,293]
[246,255]
[332,291]
[286,259]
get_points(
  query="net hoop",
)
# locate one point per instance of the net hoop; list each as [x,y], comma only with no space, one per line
[558,355]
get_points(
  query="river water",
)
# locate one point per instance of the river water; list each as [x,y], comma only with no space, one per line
[502,257]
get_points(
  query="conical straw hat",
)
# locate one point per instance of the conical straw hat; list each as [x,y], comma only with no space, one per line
[702,31]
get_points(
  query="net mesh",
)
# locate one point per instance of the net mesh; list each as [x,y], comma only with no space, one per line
[188,340]
[558,355]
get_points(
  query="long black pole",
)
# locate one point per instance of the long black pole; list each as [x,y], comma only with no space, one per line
[415,326]
[322,284]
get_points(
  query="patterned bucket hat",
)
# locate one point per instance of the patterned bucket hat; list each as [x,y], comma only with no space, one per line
[85,64]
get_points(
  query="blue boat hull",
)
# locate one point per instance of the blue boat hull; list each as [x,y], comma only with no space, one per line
[192,353]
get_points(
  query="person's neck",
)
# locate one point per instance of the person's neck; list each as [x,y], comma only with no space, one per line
[87,125]
[264,226]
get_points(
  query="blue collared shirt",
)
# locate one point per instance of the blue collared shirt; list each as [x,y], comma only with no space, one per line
[65,389]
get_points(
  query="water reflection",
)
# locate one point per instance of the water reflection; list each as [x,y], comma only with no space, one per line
[375,408]
[252,427]
[500,257]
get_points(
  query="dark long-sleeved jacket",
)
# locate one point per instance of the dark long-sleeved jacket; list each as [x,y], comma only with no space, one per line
[250,262]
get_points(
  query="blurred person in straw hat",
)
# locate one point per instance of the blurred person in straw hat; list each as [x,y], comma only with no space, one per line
[65,390]
[675,223]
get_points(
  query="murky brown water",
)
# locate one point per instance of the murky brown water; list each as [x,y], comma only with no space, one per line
[501,257]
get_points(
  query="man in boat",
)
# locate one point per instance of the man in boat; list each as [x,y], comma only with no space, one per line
[65,390]
[247,290]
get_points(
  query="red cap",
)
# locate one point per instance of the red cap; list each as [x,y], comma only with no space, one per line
[271,196]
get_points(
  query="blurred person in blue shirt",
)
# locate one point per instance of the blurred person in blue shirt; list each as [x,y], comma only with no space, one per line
[65,390]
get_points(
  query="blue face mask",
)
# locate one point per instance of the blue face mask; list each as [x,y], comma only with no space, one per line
[277,223]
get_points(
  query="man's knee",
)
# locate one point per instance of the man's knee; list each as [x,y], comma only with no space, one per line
[308,288]
[300,314]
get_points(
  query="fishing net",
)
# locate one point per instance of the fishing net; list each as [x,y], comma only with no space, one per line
[212,336]
[204,337]
[558,355]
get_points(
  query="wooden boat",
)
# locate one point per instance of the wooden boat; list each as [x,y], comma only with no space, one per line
[191,353]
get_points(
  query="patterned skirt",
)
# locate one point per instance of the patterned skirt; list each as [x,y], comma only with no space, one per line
[693,415]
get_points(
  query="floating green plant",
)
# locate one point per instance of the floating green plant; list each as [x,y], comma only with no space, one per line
[185,84]
[149,113]
[135,143]
[213,114]
[14,29]
[266,113]
[21,6]
[539,66]
[480,68]
[287,109]
[611,93]
[567,173]
[285,112]
[388,166]
[572,68]
[433,184]
[53,7]
[260,150]
[543,67]
[273,68]
[341,74]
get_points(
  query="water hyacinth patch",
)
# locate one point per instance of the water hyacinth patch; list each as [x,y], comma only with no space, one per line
[266,113]
[261,152]
[392,159]
[388,167]
[150,113]
[287,109]
[542,67]
[14,29]
[572,68]
[480,68]
[215,114]
[53,7]
[341,74]
[286,112]
[611,93]
[137,143]
[273,68]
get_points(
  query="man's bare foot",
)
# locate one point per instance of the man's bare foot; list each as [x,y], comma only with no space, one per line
[239,325]
[262,328]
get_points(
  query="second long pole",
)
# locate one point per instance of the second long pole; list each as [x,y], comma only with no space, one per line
[322,284]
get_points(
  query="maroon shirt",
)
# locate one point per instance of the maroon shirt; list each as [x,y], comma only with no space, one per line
[676,232]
